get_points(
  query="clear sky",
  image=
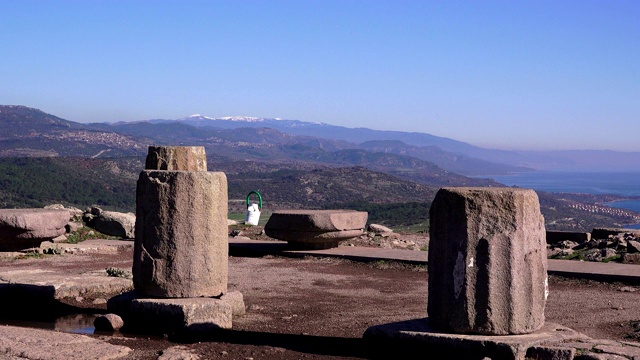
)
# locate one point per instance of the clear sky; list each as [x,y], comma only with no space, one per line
[502,74]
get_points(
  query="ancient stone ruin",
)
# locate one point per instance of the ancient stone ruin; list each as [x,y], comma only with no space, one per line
[315,229]
[487,261]
[180,265]
[176,158]
[487,279]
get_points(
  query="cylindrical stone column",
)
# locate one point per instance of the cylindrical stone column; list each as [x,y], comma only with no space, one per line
[487,261]
[181,241]
[187,158]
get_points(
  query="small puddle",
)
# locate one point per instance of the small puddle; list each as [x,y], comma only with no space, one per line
[76,323]
[79,323]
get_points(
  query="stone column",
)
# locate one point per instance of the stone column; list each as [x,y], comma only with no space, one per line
[181,241]
[187,158]
[487,261]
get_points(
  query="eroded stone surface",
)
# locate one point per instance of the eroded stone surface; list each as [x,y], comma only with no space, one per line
[30,343]
[192,314]
[116,224]
[552,341]
[181,158]
[487,261]
[181,248]
[17,284]
[176,315]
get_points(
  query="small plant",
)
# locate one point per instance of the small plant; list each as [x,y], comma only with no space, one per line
[86,233]
[31,255]
[577,255]
[615,258]
[115,272]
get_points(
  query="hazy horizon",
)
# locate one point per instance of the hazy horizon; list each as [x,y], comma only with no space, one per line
[544,75]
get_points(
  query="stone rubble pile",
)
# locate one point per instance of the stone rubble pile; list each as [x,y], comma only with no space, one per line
[600,245]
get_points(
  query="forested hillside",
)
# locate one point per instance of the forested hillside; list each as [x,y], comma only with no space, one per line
[110,183]
[80,182]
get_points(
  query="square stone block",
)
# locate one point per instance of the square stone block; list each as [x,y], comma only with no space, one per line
[487,261]
[191,314]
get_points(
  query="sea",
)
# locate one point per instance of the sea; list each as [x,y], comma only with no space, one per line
[624,184]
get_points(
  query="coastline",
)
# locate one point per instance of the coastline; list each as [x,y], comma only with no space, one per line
[623,187]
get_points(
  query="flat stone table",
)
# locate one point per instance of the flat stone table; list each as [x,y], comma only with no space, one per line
[315,229]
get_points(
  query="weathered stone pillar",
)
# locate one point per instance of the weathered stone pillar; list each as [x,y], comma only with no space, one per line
[487,261]
[187,158]
[181,241]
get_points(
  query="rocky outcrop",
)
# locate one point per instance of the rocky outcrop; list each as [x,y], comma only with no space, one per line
[111,223]
[25,228]
[116,224]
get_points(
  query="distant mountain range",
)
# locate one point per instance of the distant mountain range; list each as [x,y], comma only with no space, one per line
[295,164]
[26,131]
[447,153]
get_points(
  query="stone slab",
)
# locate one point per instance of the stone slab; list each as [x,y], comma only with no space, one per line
[198,314]
[30,343]
[419,336]
[47,284]
[98,246]
[178,314]
[315,229]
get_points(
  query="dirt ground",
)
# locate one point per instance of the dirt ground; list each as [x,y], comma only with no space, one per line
[315,308]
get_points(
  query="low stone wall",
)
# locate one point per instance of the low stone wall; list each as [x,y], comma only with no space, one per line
[554,237]
[603,233]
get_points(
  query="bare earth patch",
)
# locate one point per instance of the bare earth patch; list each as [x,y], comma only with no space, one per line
[317,308]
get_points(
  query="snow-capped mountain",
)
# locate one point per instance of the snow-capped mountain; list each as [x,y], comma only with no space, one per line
[549,160]
[227,118]
[234,122]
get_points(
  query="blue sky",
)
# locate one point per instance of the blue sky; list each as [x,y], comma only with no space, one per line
[500,74]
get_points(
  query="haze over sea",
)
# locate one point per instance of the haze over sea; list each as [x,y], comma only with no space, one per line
[625,184]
